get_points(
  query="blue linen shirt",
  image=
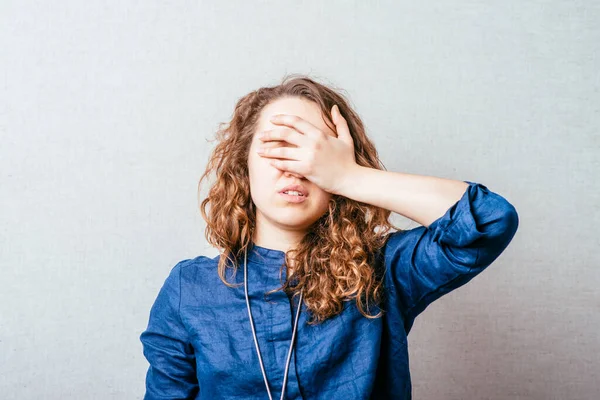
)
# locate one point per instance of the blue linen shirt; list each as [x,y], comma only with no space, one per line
[199,342]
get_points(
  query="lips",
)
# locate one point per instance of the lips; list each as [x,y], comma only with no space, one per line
[298,188]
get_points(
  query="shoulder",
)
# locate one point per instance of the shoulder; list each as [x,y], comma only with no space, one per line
[190,270]
[199,281]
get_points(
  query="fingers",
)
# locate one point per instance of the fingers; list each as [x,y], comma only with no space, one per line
[299,124]
[289,135]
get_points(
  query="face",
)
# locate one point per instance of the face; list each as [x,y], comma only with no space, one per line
[276,216]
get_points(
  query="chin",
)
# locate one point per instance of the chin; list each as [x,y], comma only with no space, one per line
[296,218]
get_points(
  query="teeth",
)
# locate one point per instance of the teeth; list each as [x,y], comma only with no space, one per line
[293,193]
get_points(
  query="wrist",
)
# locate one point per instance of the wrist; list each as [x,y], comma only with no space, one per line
[348,181]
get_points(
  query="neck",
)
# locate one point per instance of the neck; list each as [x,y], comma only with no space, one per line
[274,236]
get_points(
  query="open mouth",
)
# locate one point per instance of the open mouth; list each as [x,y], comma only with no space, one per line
[293,197]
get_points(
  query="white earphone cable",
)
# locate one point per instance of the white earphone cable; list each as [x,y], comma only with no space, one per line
[287,364]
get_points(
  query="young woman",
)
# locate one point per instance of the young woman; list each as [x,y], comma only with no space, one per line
[326,295]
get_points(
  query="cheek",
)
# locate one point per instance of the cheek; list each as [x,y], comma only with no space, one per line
[263,178]
[320,199]
[258,165]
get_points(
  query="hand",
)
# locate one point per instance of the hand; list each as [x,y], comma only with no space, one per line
[321,158]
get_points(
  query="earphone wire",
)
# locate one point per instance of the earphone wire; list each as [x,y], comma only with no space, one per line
[256,340]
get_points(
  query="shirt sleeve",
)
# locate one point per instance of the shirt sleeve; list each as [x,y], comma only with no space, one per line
[166,346]
[425,263]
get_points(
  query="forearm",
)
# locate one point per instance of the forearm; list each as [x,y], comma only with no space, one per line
[420,198]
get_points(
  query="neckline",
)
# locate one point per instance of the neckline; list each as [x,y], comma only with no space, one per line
[264,255]
[272,257]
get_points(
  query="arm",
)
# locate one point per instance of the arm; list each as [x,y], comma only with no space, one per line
[450,249]
[172,371]
[421,198]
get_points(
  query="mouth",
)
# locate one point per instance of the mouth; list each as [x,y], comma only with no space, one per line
[297,190]
[293,198]
[294,193]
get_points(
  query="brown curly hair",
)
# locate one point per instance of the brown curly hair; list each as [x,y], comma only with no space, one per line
[335,261]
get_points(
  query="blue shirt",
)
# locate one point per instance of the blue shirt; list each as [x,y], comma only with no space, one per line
[199,341]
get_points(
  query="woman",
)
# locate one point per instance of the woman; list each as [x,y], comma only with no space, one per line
[327,295]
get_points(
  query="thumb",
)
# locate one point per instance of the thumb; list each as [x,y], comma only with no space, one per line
[341,125]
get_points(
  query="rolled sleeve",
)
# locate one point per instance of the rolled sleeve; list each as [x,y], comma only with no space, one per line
[425,263]
[166,346]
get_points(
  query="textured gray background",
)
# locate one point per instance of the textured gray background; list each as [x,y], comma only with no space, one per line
[105,111]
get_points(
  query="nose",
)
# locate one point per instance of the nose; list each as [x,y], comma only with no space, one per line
[289,173]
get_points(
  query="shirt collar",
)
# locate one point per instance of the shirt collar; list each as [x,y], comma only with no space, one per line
[263,255]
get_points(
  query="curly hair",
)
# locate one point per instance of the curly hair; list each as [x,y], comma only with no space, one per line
[335,261]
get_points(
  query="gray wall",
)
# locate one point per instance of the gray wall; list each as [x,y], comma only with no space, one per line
[105,111]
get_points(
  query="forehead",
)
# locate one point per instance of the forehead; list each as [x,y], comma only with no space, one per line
[305,109]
